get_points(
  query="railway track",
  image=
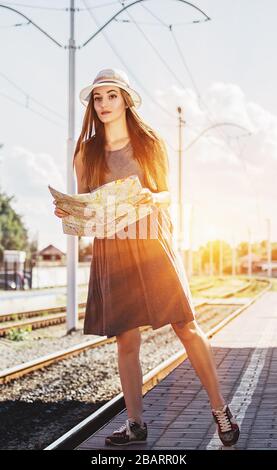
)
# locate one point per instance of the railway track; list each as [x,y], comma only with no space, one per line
[12,373]
[223,291]
[42,319]
[53,316]
[5,317]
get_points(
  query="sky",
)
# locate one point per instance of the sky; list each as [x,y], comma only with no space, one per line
[222,73]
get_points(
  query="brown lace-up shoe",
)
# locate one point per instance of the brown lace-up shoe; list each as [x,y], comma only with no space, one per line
[228,428]
[129,433]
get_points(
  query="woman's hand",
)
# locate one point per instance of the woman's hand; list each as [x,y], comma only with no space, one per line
[59,212]
[148,196]
[161,199]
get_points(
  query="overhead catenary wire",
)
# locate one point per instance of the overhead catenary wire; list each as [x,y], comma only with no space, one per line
[170,28]
[240,152]
[37,7]
[125,64]
[154,47]
[163,23]
[198,93]
[30,109]
[113,48]
[111,45]
[64,9]
[29,97]
[225,140]
[94,7]
[8,8]
[200,98]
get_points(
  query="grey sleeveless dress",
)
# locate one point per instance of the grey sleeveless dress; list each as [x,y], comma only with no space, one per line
[135,281]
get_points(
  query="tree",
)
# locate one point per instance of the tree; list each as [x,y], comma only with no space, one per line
[13,234]
[242,249]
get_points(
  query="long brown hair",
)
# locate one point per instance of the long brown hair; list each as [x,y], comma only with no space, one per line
[148,148]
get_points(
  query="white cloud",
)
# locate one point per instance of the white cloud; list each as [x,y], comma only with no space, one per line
[226,168]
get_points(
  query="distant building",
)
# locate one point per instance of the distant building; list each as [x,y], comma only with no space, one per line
[264,267]
[255,260]
[50,253]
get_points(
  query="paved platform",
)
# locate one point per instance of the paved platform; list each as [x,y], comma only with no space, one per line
[177,410]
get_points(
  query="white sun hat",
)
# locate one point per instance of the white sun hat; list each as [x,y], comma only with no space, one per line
[115,77]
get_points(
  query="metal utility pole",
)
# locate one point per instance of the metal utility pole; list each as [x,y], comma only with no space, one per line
[72,241]
[220,257]
[1,172]
[190,264]
[199,262]
[269,250]
[211,259]
[249,253]
[233,257]
[180,185]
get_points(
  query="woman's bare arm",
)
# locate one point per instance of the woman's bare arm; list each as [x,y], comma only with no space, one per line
[163,198]
[79,168]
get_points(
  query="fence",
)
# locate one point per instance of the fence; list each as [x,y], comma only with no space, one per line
[16,275]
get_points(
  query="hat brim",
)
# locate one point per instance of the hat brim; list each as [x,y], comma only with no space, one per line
[85,93]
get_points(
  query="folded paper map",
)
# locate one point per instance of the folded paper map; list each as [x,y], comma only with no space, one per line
[104,211]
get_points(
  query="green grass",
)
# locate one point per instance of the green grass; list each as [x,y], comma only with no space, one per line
[18,334]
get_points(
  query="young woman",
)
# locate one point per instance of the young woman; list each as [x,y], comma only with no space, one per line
[136,280]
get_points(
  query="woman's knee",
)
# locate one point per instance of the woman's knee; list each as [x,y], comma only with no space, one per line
[129,341]
[186,330]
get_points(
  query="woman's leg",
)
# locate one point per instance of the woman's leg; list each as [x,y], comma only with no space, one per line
[201,357]
[128,346]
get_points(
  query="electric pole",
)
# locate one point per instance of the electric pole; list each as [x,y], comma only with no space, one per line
[249,253]
[180,185]
[269,250]
[72,241]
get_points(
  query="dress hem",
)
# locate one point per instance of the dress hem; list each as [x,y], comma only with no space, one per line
[154,327]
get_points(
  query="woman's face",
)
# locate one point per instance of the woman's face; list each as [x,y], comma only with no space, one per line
[108,98]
